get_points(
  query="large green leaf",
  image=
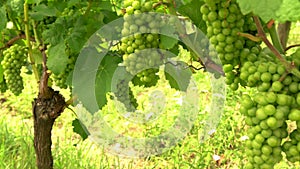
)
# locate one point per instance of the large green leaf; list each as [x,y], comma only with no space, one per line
[169,41]
[57,58]
[178,74]
[192,10]
[41,11]
[265,9]
[54,35]
[80,129]
[279,10]
[104,78]
[84,27]
[288,11]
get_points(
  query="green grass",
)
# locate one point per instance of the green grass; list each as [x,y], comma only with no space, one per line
[16,133]
[16,140]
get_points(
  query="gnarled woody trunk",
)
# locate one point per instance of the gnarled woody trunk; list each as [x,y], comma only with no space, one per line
[46,108]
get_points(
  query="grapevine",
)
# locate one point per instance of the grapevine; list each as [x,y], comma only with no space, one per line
[52,34]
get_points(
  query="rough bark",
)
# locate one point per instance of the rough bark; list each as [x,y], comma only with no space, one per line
[46,108]
[45,111]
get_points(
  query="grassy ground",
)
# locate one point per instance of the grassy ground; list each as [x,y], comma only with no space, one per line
[69,151]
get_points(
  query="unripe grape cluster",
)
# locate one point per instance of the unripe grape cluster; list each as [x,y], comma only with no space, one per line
[225,22]
[13,59]
[266,114]
[268,111]
[276,102]
[124,95]
[139,33]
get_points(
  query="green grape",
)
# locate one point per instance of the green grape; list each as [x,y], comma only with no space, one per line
[141,63]
[124,95]
[14,58]
[266,119]
[146,78]
[224,21]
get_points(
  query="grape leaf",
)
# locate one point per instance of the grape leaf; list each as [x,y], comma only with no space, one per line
[54,35]
[84,27]
[104,78]
[77,39]
[57,58]
[167,37]
[179,3]
[279,10]
[37,55]
[104,5]
[73,2]
[178,74]
[109,16]
[288,11]
[192,10]
[3,19]
[80,129]
[265,9]
[167,42]
[41,11]
[33,1]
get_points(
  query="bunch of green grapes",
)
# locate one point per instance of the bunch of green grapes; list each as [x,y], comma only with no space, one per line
[268,111]
[136,62]
[140,31]
[267,73]
[146,78]
[224,21]
[266,114]
[13,59]
[124,95]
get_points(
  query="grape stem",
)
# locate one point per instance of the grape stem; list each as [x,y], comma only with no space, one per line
[289,67]
[13,40]
[275,38]
[283,76]
[292,46]
[35,33]
[26,23]
[249,36]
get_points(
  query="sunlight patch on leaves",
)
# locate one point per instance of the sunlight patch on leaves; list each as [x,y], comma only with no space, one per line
[288,11]
[279,10]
